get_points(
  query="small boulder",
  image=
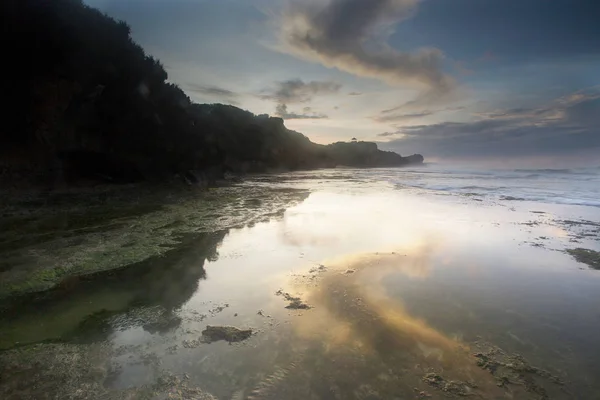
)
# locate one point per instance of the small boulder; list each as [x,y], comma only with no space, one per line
[228,333]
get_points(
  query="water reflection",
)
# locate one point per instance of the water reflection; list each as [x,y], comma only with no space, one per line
[408,287]
[360,340]
[353,313]
[82,308]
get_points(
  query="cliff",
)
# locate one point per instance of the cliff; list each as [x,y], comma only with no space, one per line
[366,155]
[87,104]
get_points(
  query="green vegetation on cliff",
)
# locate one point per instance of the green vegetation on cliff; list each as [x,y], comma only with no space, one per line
[87,103]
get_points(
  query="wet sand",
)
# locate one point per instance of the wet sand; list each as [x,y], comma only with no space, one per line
[407,295]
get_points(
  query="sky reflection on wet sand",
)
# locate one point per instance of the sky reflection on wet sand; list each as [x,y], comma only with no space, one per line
[475,261]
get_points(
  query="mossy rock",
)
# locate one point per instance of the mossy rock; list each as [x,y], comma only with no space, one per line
[586,256]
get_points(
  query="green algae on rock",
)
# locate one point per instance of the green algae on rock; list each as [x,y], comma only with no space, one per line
[79,238]
[512,370]
[453,387]
[71,371]
[586,256]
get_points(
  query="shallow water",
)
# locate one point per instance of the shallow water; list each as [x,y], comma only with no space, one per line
[401,283]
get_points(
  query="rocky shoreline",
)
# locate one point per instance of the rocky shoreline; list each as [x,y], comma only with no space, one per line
[58,240]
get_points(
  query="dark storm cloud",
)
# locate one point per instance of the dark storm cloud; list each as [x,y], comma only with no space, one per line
[213,92]
[347,34]
[298,91]
[282,111]
[568,125]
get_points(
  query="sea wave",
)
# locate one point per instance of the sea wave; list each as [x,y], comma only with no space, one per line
[558,186]
[558,200]
[545,170]
[595,171]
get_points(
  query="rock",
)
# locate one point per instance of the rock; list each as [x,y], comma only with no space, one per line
[511,198]
[228,333]
[295,302]
[452,387]
[367,155]
[586,256]
[415,159]
[173,387]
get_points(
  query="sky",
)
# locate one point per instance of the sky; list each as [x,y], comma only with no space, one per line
[502,81]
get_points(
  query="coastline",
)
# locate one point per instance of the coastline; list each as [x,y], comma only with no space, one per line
[34,215]
[440,288]
[33,218]
[78,234]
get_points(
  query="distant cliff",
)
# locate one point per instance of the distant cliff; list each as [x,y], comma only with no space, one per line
[366,154]
[85,103]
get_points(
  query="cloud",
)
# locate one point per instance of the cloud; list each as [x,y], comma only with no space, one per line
[387,117]
[565,126]
[458,108]
[351,35]
[355,94]
[396,115]
[214,92]
[298,91]
[462,68]
[386,134]
[282,111]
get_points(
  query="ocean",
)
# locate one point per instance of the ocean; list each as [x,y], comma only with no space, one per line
[577,186]
[424,282]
